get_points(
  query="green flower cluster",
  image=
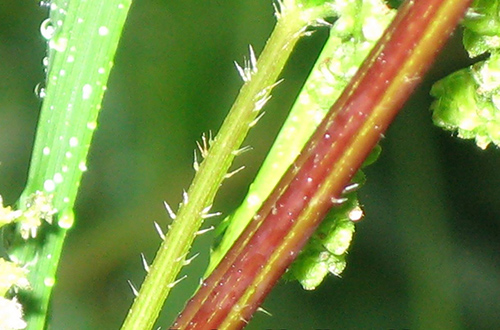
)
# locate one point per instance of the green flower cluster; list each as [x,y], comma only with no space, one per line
[468,101]
[326,251]
[38,209]
[11,276]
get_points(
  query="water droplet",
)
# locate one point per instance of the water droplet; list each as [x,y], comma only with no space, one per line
[59,44]
[73,142]
[274,210]
[47,29]
[46,151]
[253,199]
[44,4]
[86,91]
[355,214]
[45,61]
[49,281]
[103,30]
[49,185]
[58,178]
[66,220]
[82,166]
[40,90]
[92,125]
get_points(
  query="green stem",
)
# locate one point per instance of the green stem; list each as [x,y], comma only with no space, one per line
[82,39]
[346,48]
[260,79]
[230,295]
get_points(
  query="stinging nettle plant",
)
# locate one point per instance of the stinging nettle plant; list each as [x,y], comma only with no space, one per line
[331,132]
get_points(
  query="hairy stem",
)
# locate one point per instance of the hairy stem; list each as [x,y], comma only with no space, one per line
[230,295]
[260,78]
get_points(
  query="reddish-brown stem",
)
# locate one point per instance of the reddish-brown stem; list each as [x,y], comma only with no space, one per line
[355,123]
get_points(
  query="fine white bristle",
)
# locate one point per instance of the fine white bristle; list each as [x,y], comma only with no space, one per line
[350,188]
[253,59]
[188,261]
[171,285]
[338,201]
[134,290]
[169,210]
[203,231]
[241,72]
[260,309]
[256,120]
[158,230]
[241,150]
[196,165]
[145,263]
[230,174]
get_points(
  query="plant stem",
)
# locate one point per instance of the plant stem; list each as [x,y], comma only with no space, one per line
[346,48]
[259,79]
[82,40]
[228,298]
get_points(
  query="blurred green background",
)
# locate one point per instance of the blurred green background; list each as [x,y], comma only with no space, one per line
[425,256]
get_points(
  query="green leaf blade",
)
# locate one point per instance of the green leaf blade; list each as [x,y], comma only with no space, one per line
[82,38]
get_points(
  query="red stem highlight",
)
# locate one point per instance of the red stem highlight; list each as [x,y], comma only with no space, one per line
[355,123]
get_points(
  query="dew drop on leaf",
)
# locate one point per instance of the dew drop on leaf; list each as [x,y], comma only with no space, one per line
[92,125]
[49,186]
[59,43]
[40,90]
[86,91]
[47,29]
[44,3]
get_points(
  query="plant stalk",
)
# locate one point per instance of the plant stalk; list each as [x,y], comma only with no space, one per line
[355,123]
[260,78]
